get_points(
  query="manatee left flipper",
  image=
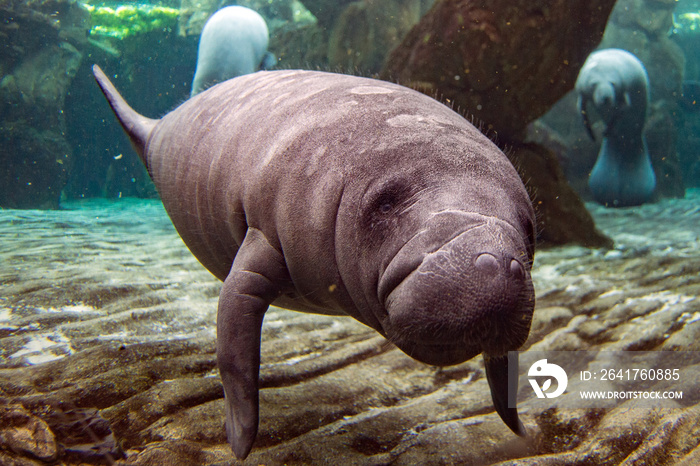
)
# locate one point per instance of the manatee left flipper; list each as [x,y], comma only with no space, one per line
[582,103]
[497,376]
[253,283]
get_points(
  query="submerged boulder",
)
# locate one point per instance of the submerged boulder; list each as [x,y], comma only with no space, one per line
[505,62]
[562,217]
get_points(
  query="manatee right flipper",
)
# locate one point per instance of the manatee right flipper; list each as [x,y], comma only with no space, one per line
[582,102]
[252,284]
[497,375]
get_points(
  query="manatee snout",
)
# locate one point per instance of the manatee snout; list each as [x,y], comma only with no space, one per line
[604,100]
[473,294]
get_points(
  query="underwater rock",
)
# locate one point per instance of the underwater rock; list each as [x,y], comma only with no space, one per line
[30,25]
[84,435]
[193,16]
[36,158]
[130,20]
[25,434]
[35,165]
[664,142]
[650,17]
[366,31]
[38,64]
[301,48]
[503,62]
[561,216]
[326,12]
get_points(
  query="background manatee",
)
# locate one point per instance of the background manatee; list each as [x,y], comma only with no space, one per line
[233,43]
[616,82]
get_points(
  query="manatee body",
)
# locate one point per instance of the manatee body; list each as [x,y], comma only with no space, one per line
[342,195]
[616,83]
[233,43]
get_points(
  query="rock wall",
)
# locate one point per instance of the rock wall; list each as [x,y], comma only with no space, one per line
[353,37]
[194,14]
[60,138]
[40,59]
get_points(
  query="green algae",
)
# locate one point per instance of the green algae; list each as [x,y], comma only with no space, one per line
[130,20]
[686,23]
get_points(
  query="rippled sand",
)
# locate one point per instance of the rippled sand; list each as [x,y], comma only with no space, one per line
[105,315]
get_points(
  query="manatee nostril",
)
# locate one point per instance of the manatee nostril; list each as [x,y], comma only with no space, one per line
[486,263]
[517,270]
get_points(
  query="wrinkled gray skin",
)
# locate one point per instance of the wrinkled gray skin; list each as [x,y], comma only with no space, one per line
[342,195]
[233,43]
[616,83]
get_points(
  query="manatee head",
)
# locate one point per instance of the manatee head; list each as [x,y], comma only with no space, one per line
[446,254]
[473,293]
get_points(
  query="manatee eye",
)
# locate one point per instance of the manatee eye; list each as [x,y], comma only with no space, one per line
[389,198]
[386,204]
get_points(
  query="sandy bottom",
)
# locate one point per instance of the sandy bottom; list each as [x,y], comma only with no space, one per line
[115,274]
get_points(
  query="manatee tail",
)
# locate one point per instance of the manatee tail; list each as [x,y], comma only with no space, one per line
[137,126]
